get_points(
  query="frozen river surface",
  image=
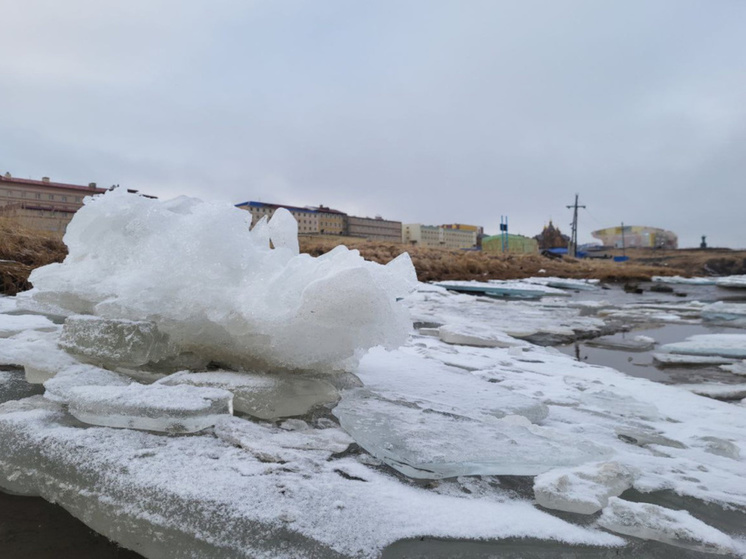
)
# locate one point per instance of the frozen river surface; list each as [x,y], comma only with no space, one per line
[188,391]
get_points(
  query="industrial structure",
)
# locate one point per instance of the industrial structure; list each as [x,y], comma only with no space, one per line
[322,220]
[636,236]
[42,205]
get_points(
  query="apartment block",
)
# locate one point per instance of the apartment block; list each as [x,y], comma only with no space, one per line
[42,205]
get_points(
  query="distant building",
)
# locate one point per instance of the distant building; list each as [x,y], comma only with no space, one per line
[439,236]
[377,228]
[307,218]
[42,205]
[637,236]
[322,220]
[552,237]
[516,244]
[331,222]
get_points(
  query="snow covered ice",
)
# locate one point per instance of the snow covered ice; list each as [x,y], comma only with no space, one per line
[357,433]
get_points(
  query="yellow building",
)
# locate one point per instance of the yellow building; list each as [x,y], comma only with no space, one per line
[636,236]
[438,236]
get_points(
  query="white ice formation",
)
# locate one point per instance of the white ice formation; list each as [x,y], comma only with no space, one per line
[218,290]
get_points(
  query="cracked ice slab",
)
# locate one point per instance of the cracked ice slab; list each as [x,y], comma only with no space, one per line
[404,376]
[429,444]
[286,495]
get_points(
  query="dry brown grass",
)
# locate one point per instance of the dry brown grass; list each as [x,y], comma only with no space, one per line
[22,250]
[435,264]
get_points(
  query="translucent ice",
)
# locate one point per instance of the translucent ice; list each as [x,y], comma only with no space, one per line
[429,444]
[674,527]
[264,396]
[583,490]
[218,290]
[403,376]
[114,342]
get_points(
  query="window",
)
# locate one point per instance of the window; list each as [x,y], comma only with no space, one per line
[64,198]
[51,196]
[38,196]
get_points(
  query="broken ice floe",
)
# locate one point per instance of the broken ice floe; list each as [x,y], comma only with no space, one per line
[721,345]
[686,359]
[173,409]
[100,397]
[430,444]
[732,281]
[729,314]
[218,290]
[583,490]
[626,343]
[718,391]
[684,281]
[674,527]
[264,396]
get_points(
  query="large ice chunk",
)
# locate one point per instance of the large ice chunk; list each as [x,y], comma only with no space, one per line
[218,290]
[585,489]
[264,396]
[114,343]
[430,444]
[674,527]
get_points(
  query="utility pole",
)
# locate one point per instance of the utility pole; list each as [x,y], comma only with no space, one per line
[504,232]
[573,248]
[624,247]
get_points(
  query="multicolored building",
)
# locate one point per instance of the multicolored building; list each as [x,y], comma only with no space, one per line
[636,236]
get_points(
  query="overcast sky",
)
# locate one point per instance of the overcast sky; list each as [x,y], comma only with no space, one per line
[420,111]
